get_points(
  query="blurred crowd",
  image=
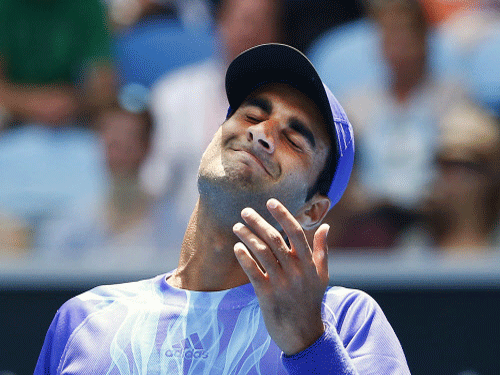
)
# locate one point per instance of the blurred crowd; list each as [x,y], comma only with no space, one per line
[107,105]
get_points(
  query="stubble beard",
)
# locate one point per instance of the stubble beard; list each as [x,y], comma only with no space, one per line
[226,188]
[227,194]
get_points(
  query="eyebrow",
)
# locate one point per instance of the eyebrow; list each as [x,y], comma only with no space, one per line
[300,128]
[262,103]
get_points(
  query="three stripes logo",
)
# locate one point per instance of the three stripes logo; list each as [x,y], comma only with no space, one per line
[188,348]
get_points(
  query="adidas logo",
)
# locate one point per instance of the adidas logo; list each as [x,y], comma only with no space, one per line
[188,348]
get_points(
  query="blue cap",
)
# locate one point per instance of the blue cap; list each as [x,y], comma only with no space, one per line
[268,63]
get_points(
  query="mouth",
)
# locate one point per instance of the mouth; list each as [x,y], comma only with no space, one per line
[255,159]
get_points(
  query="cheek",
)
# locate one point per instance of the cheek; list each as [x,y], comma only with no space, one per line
[298,178]
[230,129]
[211,160]
[318,164]
[303,172]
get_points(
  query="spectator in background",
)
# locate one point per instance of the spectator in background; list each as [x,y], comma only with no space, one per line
[463,44]
[356,42]
[151,39]
[468,48]
[188,104]
[54,73]
[119,225]
[54,59]
[462,207]
[397,125]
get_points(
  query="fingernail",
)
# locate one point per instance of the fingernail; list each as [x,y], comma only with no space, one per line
[245,212]
[238,246]
[272,203]
[237,226]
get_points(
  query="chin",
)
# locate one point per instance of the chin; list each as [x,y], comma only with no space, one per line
[228,195]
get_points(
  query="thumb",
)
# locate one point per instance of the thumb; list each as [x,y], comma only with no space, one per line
[320,251]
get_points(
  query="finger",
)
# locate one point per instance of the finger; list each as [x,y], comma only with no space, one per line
[260,250]
[320,252]
[292,228]
[267,233]
[248,264]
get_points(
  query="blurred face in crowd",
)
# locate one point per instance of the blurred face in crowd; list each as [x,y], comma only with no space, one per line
[247,23]
[459,179]
[125,140]
[403,39]
[467,179]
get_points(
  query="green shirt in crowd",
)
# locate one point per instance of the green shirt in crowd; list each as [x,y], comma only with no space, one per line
[52,41]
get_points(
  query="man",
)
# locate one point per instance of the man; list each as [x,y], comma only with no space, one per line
[246,298]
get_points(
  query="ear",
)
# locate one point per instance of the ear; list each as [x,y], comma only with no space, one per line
[313,212]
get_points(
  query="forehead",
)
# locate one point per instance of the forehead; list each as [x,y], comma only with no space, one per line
[292,103]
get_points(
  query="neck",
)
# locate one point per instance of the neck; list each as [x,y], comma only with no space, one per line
[207,261]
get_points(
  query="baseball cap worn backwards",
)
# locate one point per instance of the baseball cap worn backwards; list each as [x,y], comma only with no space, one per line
[280,63]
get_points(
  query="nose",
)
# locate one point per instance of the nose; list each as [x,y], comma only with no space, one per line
[259,134]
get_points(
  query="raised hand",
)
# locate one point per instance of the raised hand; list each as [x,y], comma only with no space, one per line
[289,281]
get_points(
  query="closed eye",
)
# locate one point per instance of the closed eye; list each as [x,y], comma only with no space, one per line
[301,129]
[252,118]
[293,142]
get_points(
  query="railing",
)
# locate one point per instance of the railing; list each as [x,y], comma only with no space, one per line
[395,269]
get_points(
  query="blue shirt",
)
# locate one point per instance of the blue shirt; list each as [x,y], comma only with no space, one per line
[150,327]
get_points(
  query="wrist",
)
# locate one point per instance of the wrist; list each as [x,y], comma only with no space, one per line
[307,337]
[326,355]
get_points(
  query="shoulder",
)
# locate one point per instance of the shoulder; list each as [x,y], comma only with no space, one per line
[342,298]
[90,314]
[345,295]
[101,303]
[364,331]
[118,291]
[350,309]
[79,308]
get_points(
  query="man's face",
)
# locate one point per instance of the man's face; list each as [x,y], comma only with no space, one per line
[274,145]
[403,41]
[125,141]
